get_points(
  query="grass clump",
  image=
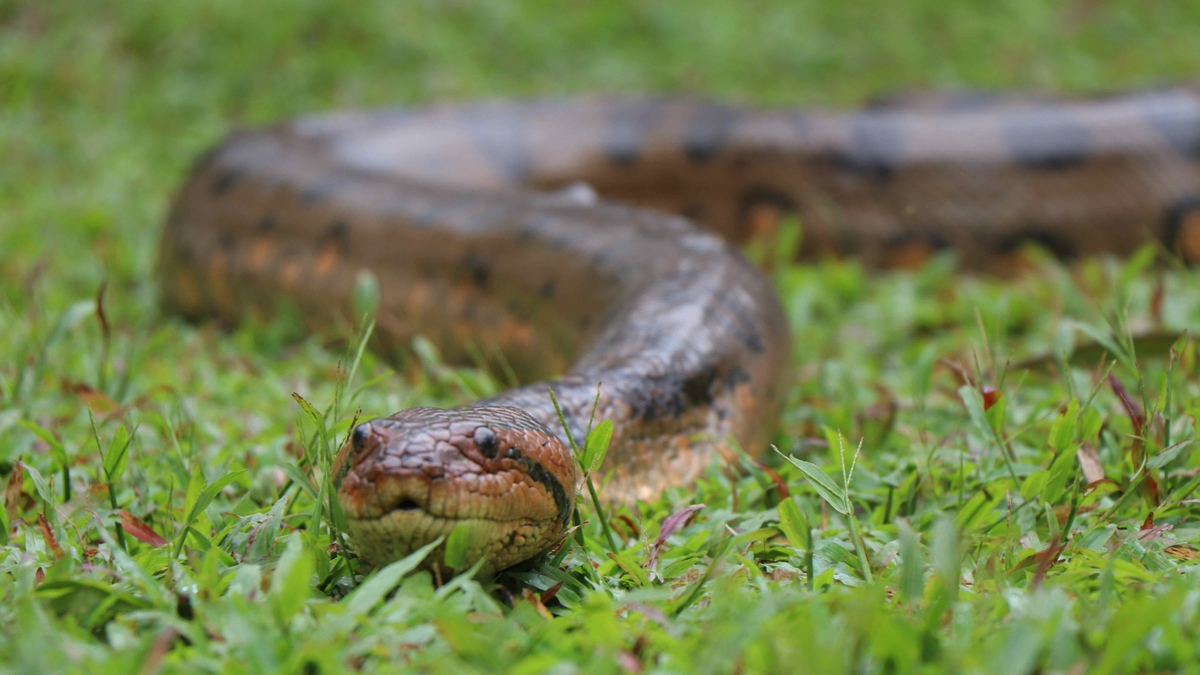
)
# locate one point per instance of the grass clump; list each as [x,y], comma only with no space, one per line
[1023,494]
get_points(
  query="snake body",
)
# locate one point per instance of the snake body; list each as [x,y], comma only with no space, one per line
[483,228]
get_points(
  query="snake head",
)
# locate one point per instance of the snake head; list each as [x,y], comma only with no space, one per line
[405,480]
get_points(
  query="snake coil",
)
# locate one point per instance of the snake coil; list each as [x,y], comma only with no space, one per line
[482,227]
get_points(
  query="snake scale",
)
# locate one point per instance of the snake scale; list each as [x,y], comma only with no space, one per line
[483,227]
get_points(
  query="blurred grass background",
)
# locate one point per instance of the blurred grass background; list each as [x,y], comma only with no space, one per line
[105,103]
[103,106]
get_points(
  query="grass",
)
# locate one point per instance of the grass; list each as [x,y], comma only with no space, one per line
[164,508]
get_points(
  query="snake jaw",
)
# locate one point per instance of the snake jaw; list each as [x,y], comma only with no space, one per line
[416,476]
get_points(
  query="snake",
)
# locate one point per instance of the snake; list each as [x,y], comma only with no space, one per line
[595,245]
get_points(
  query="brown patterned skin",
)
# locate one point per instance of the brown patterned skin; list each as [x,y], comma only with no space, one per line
[462,216]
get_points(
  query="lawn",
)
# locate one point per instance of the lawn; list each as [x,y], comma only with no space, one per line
[1000,474]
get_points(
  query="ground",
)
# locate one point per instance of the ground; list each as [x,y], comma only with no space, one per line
[1022,499]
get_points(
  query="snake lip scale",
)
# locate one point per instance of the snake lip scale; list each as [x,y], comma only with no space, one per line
[595,240]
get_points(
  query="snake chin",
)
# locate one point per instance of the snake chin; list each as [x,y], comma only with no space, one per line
[401,531]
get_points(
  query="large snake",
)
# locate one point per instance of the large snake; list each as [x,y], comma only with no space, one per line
[481,225]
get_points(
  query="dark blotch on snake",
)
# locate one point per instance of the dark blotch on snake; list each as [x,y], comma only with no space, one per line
[226,181]
[1047,140]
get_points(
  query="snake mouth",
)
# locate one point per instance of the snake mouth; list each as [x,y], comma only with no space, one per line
[400,516]
[410,510]
[407,505]
[381,494]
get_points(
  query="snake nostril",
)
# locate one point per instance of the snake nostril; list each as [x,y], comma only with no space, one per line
[361,433]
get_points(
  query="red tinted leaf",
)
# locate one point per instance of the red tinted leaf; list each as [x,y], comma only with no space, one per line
[138,529]
[533,599]
[1150,491]
[781,488]
[676,522]
[1045,560]
[93,398]
[100,309]
[1148,522]
[636,533]
[1156,301]
[1132,408]
[48,535]
[960,373]
[12,492]
[990,396]
[672,524]
[549,593]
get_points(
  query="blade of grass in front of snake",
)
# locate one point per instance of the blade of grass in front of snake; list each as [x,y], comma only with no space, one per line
[612,545]
[358,354]
[859,544]
[112,493]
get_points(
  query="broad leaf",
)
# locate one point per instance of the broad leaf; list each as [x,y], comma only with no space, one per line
[375,589]
[456,546]
[823,484]
[596,446]
[211,491]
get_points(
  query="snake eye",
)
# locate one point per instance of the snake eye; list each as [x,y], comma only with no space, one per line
[361,433]
[485,440]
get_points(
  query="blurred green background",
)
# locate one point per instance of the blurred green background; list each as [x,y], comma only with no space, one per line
[105,103]
[103,106]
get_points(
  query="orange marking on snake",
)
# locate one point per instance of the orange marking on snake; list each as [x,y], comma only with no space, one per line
[763,220]
[327,261]
[260,253]
[186,289]
[910,256]
[217,273]
[289,274]
[1188,239]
